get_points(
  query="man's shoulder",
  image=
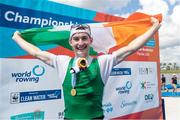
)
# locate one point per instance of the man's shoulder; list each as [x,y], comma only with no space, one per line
[105,56]
[107,59]
[63,58]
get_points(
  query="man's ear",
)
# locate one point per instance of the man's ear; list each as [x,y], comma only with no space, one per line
[91,40]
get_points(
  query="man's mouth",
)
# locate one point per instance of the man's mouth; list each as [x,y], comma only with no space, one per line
[82,47]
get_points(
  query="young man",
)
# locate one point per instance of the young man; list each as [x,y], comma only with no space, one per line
[83,89]
[174,82]
[163,82]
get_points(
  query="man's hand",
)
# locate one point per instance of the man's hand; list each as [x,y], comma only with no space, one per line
[16,35]
[154,21]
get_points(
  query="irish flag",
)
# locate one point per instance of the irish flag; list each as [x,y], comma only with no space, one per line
[106,36]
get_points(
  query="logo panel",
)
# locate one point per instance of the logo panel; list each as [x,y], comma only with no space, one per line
[29,76]
[31,96]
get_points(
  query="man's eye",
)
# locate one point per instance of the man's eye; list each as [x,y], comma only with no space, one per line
[84,38]
[75,38]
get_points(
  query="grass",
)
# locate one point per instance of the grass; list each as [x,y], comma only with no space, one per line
[170,71]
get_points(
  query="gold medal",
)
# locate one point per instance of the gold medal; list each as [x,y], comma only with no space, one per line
[73,92]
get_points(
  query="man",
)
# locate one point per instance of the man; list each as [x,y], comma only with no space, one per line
[174,82]
[83,87]
[163,83]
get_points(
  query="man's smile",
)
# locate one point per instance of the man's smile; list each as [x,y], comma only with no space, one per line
[81,47]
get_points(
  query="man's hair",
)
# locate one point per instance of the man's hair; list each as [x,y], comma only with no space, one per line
[77,28]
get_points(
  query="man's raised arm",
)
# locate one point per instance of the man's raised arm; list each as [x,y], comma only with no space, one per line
[138,42]
[33,50]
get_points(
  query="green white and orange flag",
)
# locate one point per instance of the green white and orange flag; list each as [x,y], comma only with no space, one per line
[105,35]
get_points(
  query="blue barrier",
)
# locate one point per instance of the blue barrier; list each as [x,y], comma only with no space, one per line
[170,94]
[169,86]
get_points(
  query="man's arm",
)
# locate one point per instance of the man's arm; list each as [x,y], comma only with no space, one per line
[137,43]
[33,50]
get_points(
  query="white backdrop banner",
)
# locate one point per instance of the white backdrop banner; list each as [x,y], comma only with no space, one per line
[30,89]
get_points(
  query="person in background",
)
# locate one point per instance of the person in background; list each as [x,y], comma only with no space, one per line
[174,82]
[163,82]
[83,77]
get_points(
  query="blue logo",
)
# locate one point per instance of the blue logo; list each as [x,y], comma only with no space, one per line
[125,89]
[29,76]
[31,96]
[149,97]
[151,43]
[108,108]
[35,70]
[120,71]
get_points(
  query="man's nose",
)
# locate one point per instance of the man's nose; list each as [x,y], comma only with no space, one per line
[81,41]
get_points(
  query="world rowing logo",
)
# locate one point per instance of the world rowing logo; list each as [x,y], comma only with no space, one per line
[29,76]
[38,70]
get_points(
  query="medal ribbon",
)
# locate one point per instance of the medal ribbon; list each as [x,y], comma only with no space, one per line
[73,76]
[73,80]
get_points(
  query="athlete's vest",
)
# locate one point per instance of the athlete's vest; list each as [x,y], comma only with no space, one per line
[87,103]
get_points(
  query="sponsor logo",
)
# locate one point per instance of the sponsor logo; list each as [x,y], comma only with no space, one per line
[29,76]
[149,97]
[31,96]
[150,43]
[60,115]
[37,115]
[128,103]
[146,85]
[125,89]
[145,70]
[108,108]
[15,97]
[120,71]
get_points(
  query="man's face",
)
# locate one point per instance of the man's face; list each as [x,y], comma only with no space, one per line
[80,43]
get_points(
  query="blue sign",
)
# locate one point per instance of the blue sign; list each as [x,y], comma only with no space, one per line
[120,71]
[23,18]
[150,43]
[31,96]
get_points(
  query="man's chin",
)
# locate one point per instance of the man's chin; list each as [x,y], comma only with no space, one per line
[82,54]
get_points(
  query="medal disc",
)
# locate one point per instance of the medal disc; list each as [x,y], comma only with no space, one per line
[73,92]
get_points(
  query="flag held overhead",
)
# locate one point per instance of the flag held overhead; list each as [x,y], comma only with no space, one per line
[105,35]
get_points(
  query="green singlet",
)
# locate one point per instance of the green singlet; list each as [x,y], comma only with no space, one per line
[87,103]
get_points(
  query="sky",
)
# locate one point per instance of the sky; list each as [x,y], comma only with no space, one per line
[169,33]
